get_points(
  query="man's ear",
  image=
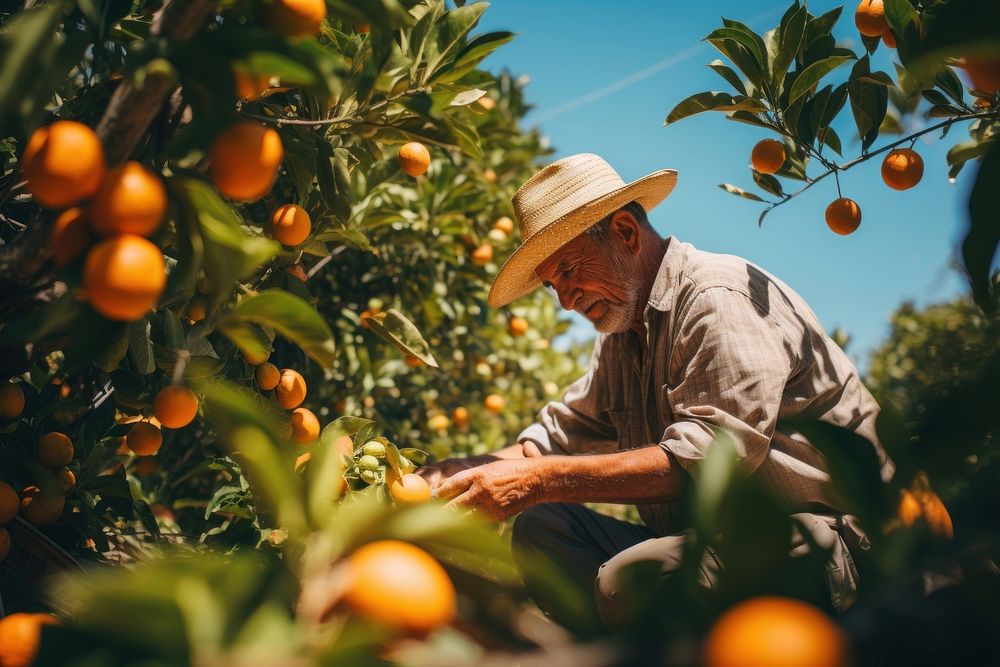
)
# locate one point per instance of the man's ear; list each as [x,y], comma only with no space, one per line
[625,229]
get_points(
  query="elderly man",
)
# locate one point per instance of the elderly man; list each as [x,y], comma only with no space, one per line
[689,342]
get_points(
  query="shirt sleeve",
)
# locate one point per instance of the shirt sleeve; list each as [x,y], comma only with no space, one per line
[576,424]
[729,363]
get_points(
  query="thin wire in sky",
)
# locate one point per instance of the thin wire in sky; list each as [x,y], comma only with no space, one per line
[640,75]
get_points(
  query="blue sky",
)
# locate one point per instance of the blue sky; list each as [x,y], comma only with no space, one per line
[603,76]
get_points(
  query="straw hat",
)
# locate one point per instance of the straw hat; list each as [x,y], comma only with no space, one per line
[558,204]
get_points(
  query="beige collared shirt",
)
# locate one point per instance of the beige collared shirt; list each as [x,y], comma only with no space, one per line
[728,345]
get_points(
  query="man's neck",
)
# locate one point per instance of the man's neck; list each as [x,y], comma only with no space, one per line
[649,260]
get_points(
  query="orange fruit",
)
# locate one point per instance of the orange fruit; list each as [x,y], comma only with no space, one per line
[518,326]
[486,102]
[267,376]
[410,489]
[9,502]
[145,466]
[504,224]
[255,359]
[20,635]
[175,406]
[41,509]
[4,543]
[70,236]
[489,175]
[768,156]
[11,400]
[245,160]
[362,28]
[131,200]
[291,389]
[460,416]
[305,426]
[63,164]
[144,439]
[399,585]
[297,271]
[889,39]
[902,168]
[249,86]
[771,631]
[843,215]
[983,72]
[414,158]
[55,450]
[438,423]
[413,362]
[197,308]
[67,478]
[924,504]
[494,403]
[290,225]
[123,277]
[869,17]
[293,18]
[482,255]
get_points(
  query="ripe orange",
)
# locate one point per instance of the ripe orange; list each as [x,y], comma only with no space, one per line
[438,423]
[55,450]
[70,236]
[414,158]
[4,544]
[293,18]
[504,224]
[123,277]
[410,489]
[197,308]
[843,215]
[489,175]
[267,376]
[175,406]
[770,631]
[869,17]
[291,389]
[144,438]
[63,163]
[250,86]
[983,72]
[305,426]
[290,225]
[255,359]
[889,39]
[11,400]
[20,635]
[924,504]
[486,102]
[482,255]
[131,200]
[413,362]
[460,416]
[145,466]
[67,479]
[902,168]
[494,403]
[768,156]
[9,502]
[399,585]
[518,326]
[41,509]
[245,160]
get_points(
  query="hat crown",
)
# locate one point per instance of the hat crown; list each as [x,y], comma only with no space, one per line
[561,188]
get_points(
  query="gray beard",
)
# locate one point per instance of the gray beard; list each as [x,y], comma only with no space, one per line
[618,317]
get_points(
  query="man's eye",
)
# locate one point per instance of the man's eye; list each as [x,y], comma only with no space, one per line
[546,284]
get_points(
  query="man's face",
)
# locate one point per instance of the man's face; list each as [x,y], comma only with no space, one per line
[602,284]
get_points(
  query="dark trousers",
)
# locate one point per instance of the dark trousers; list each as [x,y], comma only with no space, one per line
[593,549]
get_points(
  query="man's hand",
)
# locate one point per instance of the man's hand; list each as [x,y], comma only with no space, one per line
[437,473]
[496,490]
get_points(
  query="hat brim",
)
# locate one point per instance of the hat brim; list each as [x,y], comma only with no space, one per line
[517,275]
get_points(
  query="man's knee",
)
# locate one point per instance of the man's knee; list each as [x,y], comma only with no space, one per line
[612,584]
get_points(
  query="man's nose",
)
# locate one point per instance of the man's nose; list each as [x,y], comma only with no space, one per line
[567,296]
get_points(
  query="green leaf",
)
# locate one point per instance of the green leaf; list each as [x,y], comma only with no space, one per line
[466,97]
[471,55]
[729,75]
[790,35]
[391,326]
[744,36]
[961,153]
[740,192]
[869,103]
[451,31]
[713,101]
[290,316]
[743,59]
[326,467]
[140,346]
[979,246]
[949,82]
[768,183]
[812,75]
[715,474]
[748,118]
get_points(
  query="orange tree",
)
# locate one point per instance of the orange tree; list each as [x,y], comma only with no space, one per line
[206,227]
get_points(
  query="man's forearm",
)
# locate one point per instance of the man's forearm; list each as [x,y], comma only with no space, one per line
[645,475]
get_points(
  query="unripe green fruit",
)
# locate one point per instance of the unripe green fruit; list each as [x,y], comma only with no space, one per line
[369,476]
[368,462]
[374,448]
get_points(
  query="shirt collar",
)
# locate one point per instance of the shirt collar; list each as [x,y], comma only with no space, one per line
[661,295]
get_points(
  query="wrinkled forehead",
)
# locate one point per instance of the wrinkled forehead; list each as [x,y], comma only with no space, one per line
[566,253]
